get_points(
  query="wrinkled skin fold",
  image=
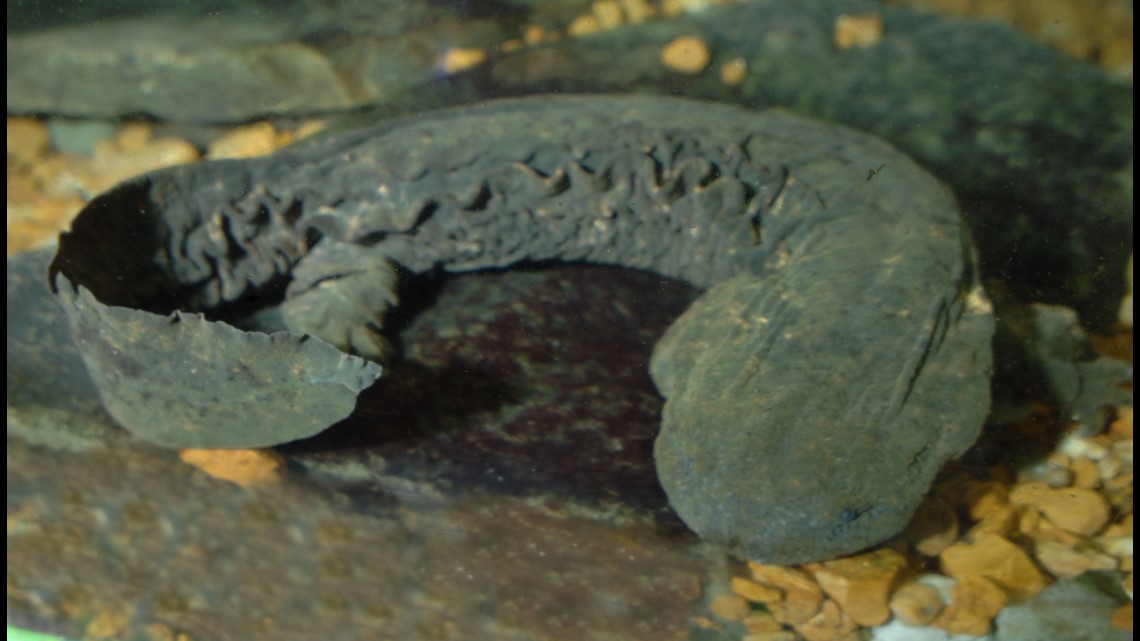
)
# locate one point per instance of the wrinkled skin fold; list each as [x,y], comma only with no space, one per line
[840,355]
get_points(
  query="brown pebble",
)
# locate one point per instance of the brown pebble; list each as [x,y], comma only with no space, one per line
[831,623]
[916,604]
[126,157]
[107,624]
[861,585]
[734,72]
[608,13]
[1066,561]
[247,468]
[687,54]
[28,139]
[1078,510]
[133,137]
[706,623]
[583,25]
[754,591]
[761,622]
[637,10]
[983,497]
[802,595]
[1086,474]
[1123,528]
[1057,477]
[1047,532]
[995,558]
[533,34]
[862,30]
[1002,522]
[257,139]
[459,59]
[309,128]
[774,635]
[1117,546]
[730,607]
[975,601]
[1122,617]
[1121,426]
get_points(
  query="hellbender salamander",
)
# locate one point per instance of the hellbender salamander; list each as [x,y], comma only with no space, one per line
[840,355]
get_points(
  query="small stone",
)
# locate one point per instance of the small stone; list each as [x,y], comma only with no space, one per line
[862,30]
[1122,617]
[754,591]
[1057,477]
[734,72]
[761,622]
[257,139]
[1075,509]
[245,467]
[730,607]
[1046,531]
[1065,561]
[107,624]
[1002,522]
[1028,519]
[159,632]
[774,635]
[1123,528]
[934,526]
[861,585]
[309,128]
[1122,450]
[637,10]
[916,604]
[134,136]
[1121,426]
[1118,546]
[706,623]
[687,54]
[608,13]
[459,59]
[829,624]
[974,603]
[983,497]
[1086,474]
[583,25]
[116,160]
[802,595]
[28,139]
[995,558]
[37,222]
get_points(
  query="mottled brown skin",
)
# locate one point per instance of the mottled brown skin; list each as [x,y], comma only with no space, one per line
[840,355]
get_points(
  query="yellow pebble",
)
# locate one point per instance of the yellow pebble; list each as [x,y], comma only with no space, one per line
[863,30]
[730,607]
[461,59]
[687,54]
[916,604]
[246,468]
[734,72]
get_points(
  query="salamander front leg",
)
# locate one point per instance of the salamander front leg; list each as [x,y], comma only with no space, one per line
[340,293]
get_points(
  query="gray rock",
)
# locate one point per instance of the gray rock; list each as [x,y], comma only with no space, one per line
[235,66]
[1037,146]
[169,68]
[1078,609]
